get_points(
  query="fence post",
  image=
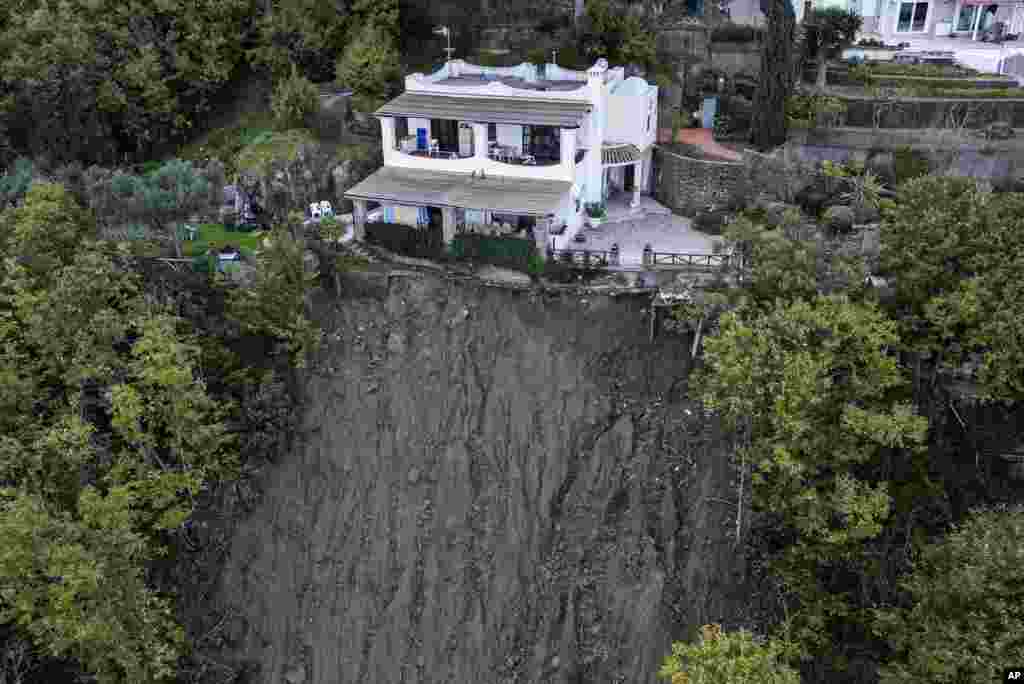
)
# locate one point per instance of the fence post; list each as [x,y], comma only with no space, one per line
[613,255]
[648,254]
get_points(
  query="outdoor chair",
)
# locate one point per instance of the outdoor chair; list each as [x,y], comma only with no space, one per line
[314,210]
[326,209]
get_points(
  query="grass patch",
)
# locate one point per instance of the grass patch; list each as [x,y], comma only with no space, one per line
[923,70]
[962,93]
[270,145]
[215,236]
[226,143]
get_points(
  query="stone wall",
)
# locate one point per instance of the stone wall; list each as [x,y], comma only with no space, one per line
[933,112]
[695,186]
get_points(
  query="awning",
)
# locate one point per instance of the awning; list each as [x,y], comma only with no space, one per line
[418,187]
[557,113]
[617,155]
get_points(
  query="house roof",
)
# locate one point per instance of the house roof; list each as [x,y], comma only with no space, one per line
[420,187]
[618,154]
[557,113]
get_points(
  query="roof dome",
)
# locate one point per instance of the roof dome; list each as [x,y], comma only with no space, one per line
[634,85]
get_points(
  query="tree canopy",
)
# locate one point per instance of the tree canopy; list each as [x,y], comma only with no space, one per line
[108,435]
[961,621]
[729,658]
[955,253]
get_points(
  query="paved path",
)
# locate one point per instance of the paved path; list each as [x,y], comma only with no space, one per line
[665,233]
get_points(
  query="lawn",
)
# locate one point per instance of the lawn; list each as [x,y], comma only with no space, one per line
[215,236]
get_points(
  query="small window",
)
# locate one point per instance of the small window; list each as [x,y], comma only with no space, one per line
[492,132]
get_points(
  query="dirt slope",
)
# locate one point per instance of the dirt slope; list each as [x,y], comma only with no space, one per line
[494,487]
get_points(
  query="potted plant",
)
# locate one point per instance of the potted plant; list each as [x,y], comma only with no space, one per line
[596,213]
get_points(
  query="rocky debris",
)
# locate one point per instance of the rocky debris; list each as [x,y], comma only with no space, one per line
[520,487]
[867,214]
[503,275]
[295,675]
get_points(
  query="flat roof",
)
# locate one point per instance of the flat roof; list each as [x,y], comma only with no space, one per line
[478,80]
[557,113]
[421,187]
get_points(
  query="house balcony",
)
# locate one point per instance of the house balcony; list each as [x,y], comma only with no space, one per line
[514,150]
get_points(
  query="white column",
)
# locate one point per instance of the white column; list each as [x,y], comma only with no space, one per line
[387,134]
[567,147]
[480,141]
[977,20]
[595,133]
[956,15]
[637,179]
[448,224]
[359,219]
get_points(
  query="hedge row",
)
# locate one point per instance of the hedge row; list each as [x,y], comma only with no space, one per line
[422,243]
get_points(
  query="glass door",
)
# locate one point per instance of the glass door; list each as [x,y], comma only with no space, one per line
[965,22]
[912,18]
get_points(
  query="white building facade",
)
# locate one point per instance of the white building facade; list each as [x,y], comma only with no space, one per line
[526,146]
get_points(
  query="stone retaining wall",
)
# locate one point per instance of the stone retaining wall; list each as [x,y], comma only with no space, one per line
[695,186]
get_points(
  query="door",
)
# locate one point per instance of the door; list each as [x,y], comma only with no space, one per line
[629,178]
[912,18]
[421,139]
[965,22]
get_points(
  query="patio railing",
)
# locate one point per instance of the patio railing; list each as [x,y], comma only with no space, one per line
[698,260]
[584,258]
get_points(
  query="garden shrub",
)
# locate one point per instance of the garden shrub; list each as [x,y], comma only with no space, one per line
[711,222]
[295,102]
[422,243]
[909,163]
[499,251]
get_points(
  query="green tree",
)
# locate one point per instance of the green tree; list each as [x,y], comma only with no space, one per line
[370,67]
[832,29]
[93,79]
[768,128]
[277,302]
[618,37]
[818,404]
[961,621]
[308,33]
[165,198]
[729,658]
[954,254]
[107,435]
[295,102]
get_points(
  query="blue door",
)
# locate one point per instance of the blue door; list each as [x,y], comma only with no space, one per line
[710,109]
[421,138]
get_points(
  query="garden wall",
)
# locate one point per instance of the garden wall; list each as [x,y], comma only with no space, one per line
[694,186]
[736,58]
[932,112]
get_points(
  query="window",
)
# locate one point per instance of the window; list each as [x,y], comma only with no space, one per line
[912,18]
[492,132]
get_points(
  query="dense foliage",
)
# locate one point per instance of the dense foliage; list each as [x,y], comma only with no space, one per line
[109,435]
[295,102]
[962,620]
[370,67]
[728,658]
[956,253]
[775,77]
[615,35]
[90,80]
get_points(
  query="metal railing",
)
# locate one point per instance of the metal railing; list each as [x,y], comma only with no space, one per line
[584,258]
[706,261]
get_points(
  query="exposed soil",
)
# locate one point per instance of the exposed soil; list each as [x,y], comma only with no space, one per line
[491,486]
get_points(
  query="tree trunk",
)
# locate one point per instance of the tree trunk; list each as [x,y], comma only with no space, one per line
[776,79]
[822,80]
[578,12]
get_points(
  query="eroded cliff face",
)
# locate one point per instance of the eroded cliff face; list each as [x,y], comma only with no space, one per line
[492,487]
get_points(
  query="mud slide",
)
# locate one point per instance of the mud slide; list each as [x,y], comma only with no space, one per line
[493,487]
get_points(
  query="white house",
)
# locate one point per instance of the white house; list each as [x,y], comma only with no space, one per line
[898,21]
[526,145]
